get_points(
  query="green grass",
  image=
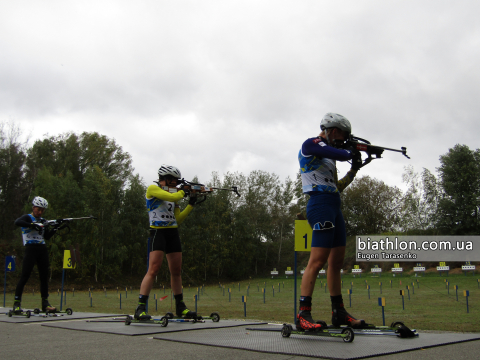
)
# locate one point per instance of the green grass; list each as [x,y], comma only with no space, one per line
[430,306]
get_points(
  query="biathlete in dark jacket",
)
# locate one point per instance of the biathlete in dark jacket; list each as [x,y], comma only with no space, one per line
[318,170]
[34,236]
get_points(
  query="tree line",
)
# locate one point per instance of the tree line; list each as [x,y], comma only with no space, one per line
[225,237]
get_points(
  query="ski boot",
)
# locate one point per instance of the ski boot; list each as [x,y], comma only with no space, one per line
[141,313]
[305,322]
[17,308]
[183,312]
[47,308]
[340,316]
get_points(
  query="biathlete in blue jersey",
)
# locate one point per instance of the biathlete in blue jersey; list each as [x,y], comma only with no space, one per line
[36,251]
[165,216]
[318,170]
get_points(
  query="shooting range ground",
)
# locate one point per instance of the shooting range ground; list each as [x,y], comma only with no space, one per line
[432,306]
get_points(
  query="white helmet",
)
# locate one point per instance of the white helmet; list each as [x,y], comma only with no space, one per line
[40,202]
[332,120]
[169,170]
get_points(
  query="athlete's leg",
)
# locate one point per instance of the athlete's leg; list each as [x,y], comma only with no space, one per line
[27,267]
[156,259]
[43,267]
[175,266]
[318,258]
[335,264]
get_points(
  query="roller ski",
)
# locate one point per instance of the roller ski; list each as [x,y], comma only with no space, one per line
[18,311]
[49,310]
[215,317]
[306,326]
[395,329]
[163,321]
[52,313]
[342,319]
[183,314]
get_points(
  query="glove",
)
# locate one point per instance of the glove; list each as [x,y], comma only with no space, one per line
[37,227]
[185,189]
[192,200]
[356,161]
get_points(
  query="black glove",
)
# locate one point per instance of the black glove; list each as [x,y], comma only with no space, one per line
[37,227]
[357,160]
[185,189]
[192,200]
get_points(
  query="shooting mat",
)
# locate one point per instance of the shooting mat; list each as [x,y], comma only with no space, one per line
[36,318]
[134,329]
[313,346]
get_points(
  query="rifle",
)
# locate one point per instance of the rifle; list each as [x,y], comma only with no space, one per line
[60,224]
[360,144]
[196,188]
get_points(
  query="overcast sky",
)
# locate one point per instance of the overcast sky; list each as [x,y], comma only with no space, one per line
[239,85]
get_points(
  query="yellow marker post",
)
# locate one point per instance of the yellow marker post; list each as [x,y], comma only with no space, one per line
[303,236]
[67,264]
[466,293]
[381,302]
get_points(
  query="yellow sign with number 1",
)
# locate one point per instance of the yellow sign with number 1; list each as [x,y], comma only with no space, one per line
[303,235]
[67,260]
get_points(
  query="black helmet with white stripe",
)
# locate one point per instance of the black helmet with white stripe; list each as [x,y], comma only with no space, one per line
[332,120]
[40,202]
[166,170]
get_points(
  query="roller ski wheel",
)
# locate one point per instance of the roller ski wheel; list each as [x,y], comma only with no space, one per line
[10,313]
[349,335]
[402,331]
[36,311]
[287,330]
[215,317]
[169,315]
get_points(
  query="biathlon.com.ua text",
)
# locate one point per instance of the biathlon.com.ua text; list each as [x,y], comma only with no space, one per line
[418,248]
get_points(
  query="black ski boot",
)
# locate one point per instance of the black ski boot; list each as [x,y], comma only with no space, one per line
[47,308]
[182,311]
[340,316]
[141,313]
[305,322]
[17,308]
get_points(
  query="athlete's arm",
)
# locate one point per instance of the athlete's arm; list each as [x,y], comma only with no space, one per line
[346,180]
[180,216]
[24,221]
[319,148]
[157,192]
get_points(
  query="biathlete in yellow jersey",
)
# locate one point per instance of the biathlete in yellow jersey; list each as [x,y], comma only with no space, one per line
[165,216]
